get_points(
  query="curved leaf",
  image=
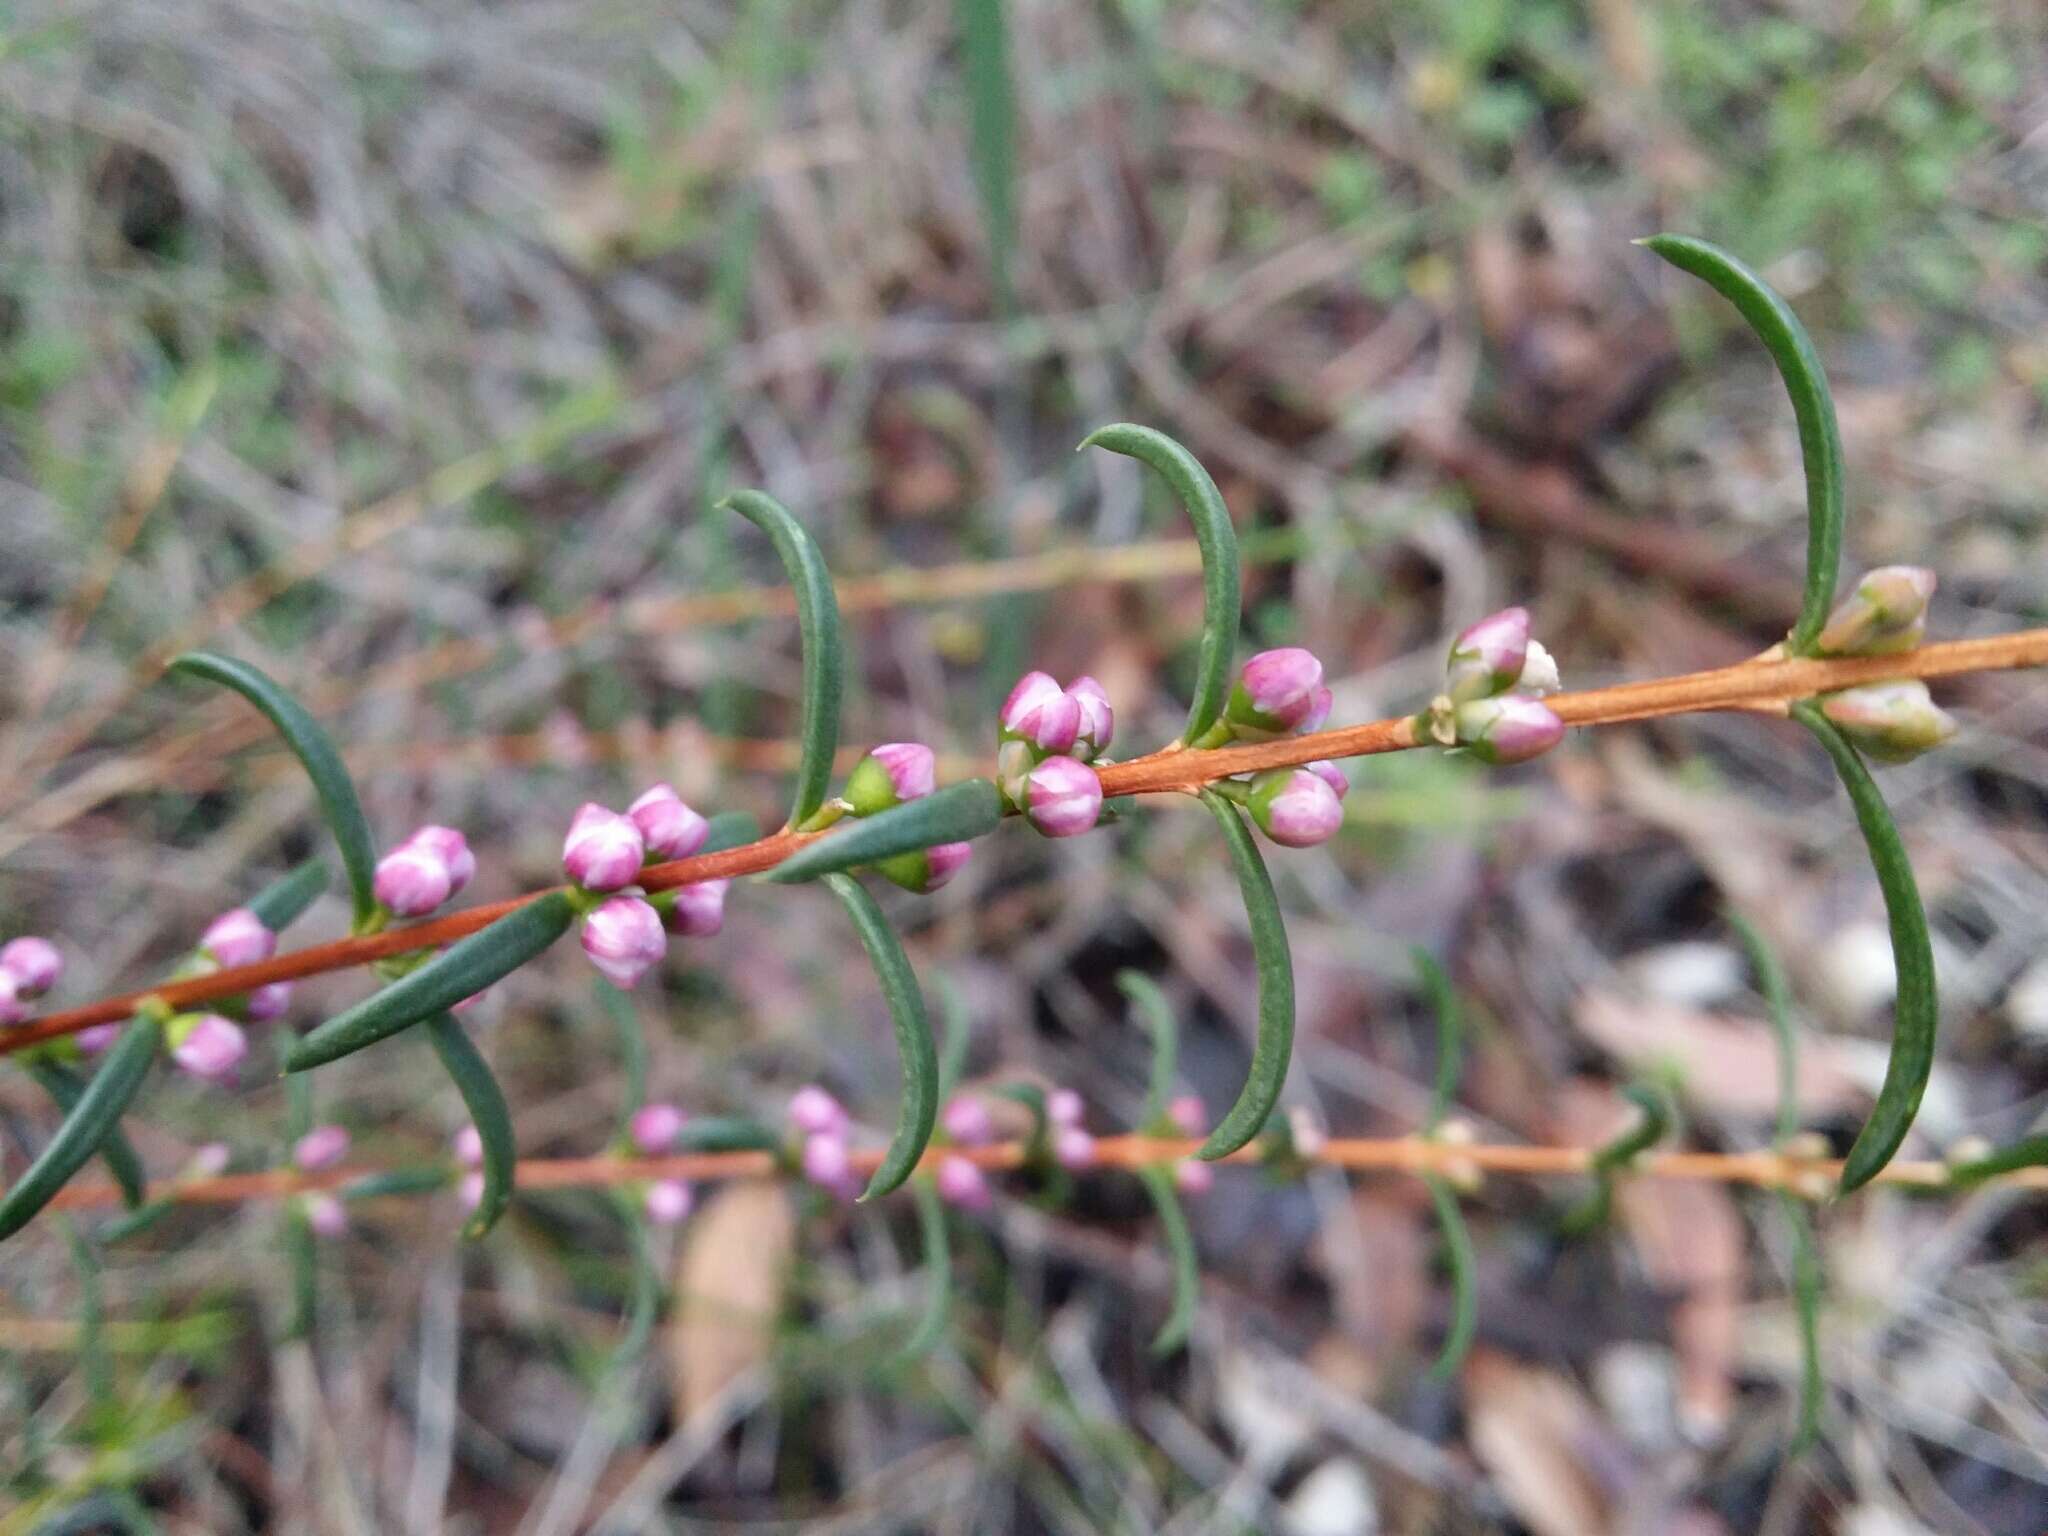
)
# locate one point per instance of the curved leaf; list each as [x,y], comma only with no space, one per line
[824,644]
[1651,1126]
[281,903]
[1276,988]
[938,1265]
[920,1060]
[1916,1012]
[1770,975]
[460,971]
[1450,1034]
[486,1103]
[1820,439]
[2029,1152]
[65,1090]
[315,751]
[1807,1280]
[956,814]
[86,1128]
[730,829]
[1160,1023]
[1180,1247]
[1464,1279]
[1216,537]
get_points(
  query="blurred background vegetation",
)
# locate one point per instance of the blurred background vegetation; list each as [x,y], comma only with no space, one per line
[402,349]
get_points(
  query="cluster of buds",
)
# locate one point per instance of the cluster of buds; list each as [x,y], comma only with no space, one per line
[964,1122]
[826,1158]
[1188,1118]
[322,1147]
[1279,693]
[894,774]
[1495,682]
[1887,613]
[653,1132]
[29,967]
[1072,1147]
[428,868]
[604,854]
[1049,738]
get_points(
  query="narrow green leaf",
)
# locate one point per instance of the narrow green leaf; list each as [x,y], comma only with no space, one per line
[726,1133]
[315,751]
[957,1027]
[1464,1279]
[1276,987]
[85,1129]
[2030,1152]
[397,1181]
[938,1268]
[913,1035]
[824,643]
[92,1316]
[487,1111]
[1820,439]
[1180,1247]
[302,1261]
[1160,1023]
[1916,1012]
[1217,539]
[281,903]
[1038,1145]
[731,829]
[64,1088]
[956,814]
[1651,1126]
[992,117]
[617,1007]
[460,971]
[1807,1281]
[1450,1034]
[1777,991]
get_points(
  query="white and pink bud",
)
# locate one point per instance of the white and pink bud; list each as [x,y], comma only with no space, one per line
[962,1184]
[209,1160]
[1192,1176]
[207,1045]
[893,773]
[14,1008]
[1890,722]
[33,963]
[696,911]
[468,1146]
[1886,613]
[1063,1106]
[816,1113]
[1062,797]
[411,880]
[669,829]
[268,1002]
[604,850]
[470,1191]
[924,870]
[452,849]
[1295,807]
[828,1164]
[327,1216]
[1488,657]
[1510,728]
[1098,718]
[668,1201]
[324,1146]
[238,937]
[95,1038]
[1318,715]
[1041,714]
[967,1122]
[1187,1114]
[1276,692]
[1073,1148]
[655,1127]
[623,939]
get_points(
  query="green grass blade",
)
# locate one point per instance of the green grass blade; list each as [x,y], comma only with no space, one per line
[460,971]
[992,116]
[1180,1248]
[86,1128]
[302,1262]
[956,814]
[487,1111]
[824,644]
[1777,991]
[2030,1152]
[1807,1281]
[1450,1034]
[1275,1046]
[920,1059]
[617,1007]
[65,1090]
[1217,538]
[282,902]
[315,751]
[938,1266]
[1820,439]
[957,1029]
[1160,1023]
[1464,1279]
[1916,1013]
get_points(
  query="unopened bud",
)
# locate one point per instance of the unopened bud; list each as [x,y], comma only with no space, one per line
[696,911]
[324,1214]
[603,850]
[1186,1114]
[322,1147]
[961,1183]
[1041,714]
[411,880]
[924,870]
[893,773]
[1194,1177]
[33,963]
[238,937]
[623,939]
[1488,657]
[669,829]
[655,1127]
[1890,722]
[1295,807]
[1098,719]
[815,1112]
[207,1045]
[268,1002]
[1063,1106]
[967,1122]
[668,1201]
[1073,1148]
[1275,693]
[1886,613]
[1508,729]
[1063,798]
[468,1146]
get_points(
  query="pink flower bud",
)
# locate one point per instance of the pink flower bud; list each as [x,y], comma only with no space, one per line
[1073,1148]
[967,1122]
[1295,807]
[1194,1177]
[1318,715]
[655,1128]
[13,1010]
[603,850]
[1187,1114]
[623,938]
[891,774]
[1063,798]
[669,829]
[322,1147]
[1886,613]
[268,1002]
[961,1183]
[816,1113]
[668,1201]
[828,1164]
[325,1214]
[208,1161]
[238,937]
[1063,1107]
[1098,719]
[1276,691]
[468,1147]
[1508,728]
[411,880]
[95,1038]
[34,964]
[208,1046]
[1487,658]
[452,849]
[1890,722]
[1331,775]
[697,911]
[470,1191]
[1039,713]
[924,870]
